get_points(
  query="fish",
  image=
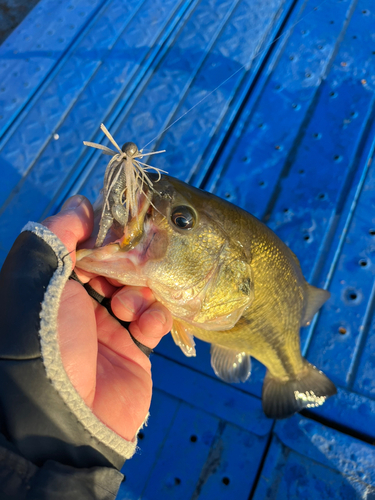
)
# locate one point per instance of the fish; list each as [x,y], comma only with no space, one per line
[226,278]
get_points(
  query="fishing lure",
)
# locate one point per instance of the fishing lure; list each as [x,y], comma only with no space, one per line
[124,178]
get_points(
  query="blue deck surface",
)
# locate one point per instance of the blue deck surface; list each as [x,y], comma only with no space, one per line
[286,130]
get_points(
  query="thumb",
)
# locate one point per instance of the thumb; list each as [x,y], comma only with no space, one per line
[73,224]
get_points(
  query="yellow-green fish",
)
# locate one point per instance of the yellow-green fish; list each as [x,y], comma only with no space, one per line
[226,278]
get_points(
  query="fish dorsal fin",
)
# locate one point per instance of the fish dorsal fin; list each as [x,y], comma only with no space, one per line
[315,299]
[230,365]
[183,338]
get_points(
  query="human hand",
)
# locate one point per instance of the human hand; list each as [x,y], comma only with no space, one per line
[110,373]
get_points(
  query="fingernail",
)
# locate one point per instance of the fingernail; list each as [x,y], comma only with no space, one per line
[73,202]
[158,316]
[132,301]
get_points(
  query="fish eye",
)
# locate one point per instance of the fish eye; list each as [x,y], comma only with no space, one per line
[183,217]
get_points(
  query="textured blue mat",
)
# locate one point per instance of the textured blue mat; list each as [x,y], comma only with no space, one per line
[281,122]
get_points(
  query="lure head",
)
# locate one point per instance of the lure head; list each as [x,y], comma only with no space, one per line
[187,251]
[130,149]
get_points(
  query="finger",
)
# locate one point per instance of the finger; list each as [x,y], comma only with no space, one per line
[117,338]
[131,301]
[102,286]
[84,276]
[77,339]
[73,224]
[152,325]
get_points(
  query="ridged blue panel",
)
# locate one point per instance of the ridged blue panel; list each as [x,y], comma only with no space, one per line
[73,104]
[269,132]
[21,149]
[186,453]
[211,46]
[163,412]
[309,461]
[34,48]
[344,331]
[345,322]
[154,106]
[242,410]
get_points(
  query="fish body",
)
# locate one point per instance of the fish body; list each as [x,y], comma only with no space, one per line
[228,280]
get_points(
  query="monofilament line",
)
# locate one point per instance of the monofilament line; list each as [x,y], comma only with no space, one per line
[234,74]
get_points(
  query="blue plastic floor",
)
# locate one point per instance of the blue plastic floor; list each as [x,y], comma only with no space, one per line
[282,122]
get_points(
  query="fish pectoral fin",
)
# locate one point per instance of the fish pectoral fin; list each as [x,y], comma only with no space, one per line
[230,365]
[183,338]
[315,299]
[281,399]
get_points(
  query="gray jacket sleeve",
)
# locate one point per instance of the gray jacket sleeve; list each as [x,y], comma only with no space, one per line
[53,445]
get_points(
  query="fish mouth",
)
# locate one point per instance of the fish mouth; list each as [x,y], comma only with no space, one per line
[134,229]
[121,252]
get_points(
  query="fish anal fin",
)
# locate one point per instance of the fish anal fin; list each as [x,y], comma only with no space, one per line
[315,299]
[281,399]
[183,338]
[230,365]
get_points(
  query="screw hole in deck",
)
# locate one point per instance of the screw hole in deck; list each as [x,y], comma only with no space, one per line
[193,438]
[177,480]
[225,481]
[372,232]
[363,262]
[352,296]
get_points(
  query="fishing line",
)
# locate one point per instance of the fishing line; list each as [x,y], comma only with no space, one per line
[66,255]
[235,73]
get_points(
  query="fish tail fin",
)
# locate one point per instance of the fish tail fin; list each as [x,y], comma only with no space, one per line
[282,399]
